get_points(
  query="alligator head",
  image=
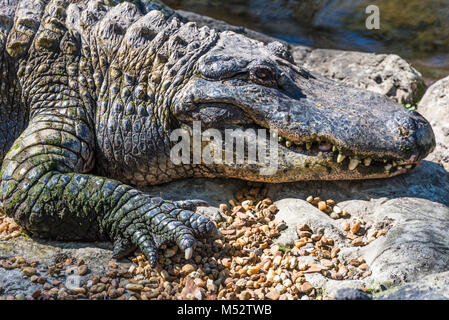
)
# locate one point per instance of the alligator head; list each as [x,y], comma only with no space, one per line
[327,131]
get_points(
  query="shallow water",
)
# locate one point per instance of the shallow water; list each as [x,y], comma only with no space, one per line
[417,30]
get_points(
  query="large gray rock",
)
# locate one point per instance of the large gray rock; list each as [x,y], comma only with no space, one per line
[434,106]
[387,74]
[432,287]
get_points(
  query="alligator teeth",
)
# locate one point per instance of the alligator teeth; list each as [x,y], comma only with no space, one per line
[340,158]
[394,163]
[280,139]
[388,167]
[409,166]
[353,163]
[367,162]
[325,146]
[308,145]
[334,148]
[288,143]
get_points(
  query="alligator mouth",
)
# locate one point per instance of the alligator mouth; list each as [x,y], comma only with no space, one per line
[347,158]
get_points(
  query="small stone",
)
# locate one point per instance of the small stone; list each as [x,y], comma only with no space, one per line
[253,270]
[328,264]
[273,209]
[82,270]
[357,242]
[247,204]
[272,295]
[303,227]
[223,207]
[334,252]
[309,199]
[187,269]
[164,274]
[337,210]
[363,267]
[322,206]
[334,215]
[355,262]
[281,225]
[20,296]
[241,283]
[304,234]
[80,290]
[305,288]
[134,287]
[36,294]
[245,295]
[355,227]
[29,271]
[346,226]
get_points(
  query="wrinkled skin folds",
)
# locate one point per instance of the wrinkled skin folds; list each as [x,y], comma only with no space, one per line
[90,92]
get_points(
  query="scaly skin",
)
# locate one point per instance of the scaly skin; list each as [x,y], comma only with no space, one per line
[104,86]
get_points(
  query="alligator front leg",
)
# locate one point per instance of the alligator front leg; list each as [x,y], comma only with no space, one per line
[43,187]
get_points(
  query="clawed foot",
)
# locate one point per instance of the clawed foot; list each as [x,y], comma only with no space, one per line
[163,221]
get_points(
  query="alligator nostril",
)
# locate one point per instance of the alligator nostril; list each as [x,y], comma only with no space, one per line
[422,135]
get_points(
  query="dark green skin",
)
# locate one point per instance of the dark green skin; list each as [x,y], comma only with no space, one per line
[88,88]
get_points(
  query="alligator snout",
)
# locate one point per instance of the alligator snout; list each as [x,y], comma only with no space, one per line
[417,134]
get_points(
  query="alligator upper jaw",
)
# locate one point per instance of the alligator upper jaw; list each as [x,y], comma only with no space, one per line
[327,131]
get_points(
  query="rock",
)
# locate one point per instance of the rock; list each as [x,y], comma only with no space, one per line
[212,213]
[82,270]
[134,287]
[297,212]
[434,106]
[351,294]
[431,287]
[272,295]
[387,74]
[187,269]
[29,271]
[244,295]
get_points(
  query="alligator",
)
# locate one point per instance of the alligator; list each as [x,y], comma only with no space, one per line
[91,92]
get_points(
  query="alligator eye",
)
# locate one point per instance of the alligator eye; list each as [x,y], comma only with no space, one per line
[263,75]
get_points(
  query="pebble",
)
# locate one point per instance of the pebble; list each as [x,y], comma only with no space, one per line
[337,210]
[357,242]
[29,271]
[322,205]
[187,269]
[134,287]
[82,270]
[334,215]
[245,295]
[305,288]
[272,295]
[355,227]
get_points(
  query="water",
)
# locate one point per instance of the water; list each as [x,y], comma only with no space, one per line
[417,30]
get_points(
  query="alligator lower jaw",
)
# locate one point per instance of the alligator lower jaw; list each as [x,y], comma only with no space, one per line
[385,166]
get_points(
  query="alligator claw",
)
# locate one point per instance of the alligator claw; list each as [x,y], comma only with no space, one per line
[166,221]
